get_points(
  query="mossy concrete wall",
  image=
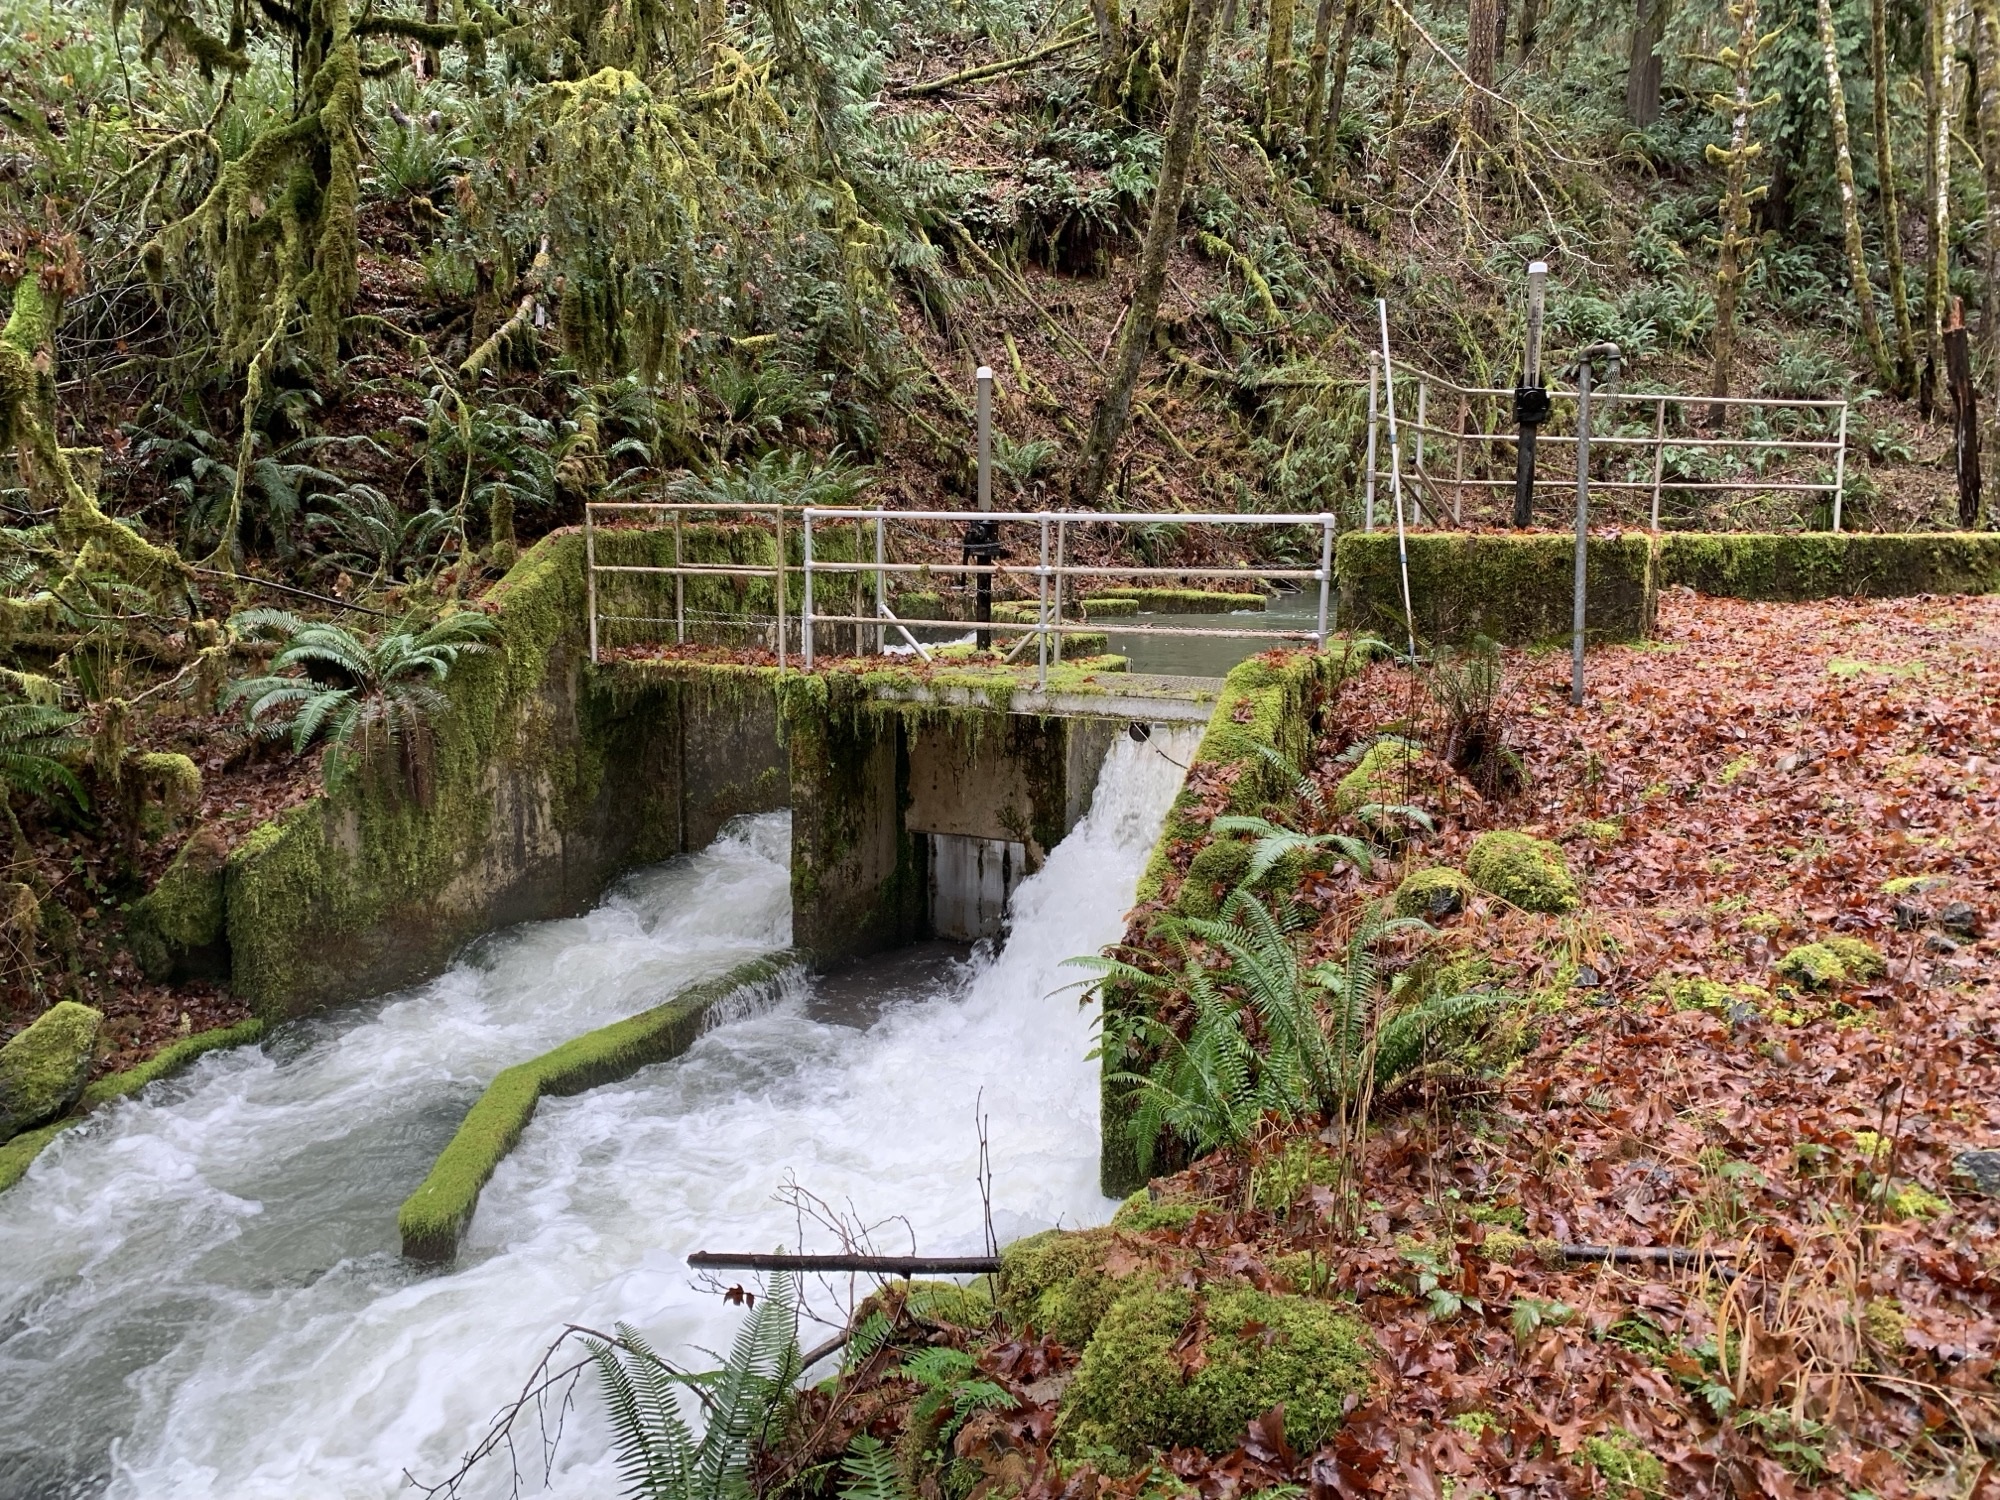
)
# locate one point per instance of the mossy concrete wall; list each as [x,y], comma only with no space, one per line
[1518,590]
[1830,565]
[1271,702]
[547,785]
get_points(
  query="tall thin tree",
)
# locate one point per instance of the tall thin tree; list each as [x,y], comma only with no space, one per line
[1850,208]
[1642,73]
[1114,408]
[1481,61]
[1941,55]
[1885,176]
[1736,250]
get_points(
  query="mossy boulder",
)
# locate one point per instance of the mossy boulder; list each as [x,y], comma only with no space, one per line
[1142,1212]
[1830,963]
[1526,871]
[1219,867]
[1433,894]
[42,1070]
[1136,1389]
[178,929]
[1056,1282]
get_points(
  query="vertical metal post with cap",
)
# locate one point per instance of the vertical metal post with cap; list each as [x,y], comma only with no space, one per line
[1531,399]
[983,584]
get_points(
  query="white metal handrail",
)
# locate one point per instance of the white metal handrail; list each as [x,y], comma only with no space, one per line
[1050,570]
[1462,436]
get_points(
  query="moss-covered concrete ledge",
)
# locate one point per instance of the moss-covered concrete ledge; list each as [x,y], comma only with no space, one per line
[434,1217]
[1270,702]
[17,1155]
[1518,590]
[1832,565]
[545,788]
[1177,601]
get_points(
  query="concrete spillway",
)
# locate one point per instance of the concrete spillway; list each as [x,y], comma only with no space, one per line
[199,1292]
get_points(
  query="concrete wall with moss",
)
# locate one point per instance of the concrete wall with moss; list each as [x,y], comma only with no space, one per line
[546,786]
[1271,702]
[1518,590]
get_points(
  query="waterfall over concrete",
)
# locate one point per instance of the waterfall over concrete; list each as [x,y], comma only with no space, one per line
[199,1290]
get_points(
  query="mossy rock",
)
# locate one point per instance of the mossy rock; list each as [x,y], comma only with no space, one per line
[1433,894]
[948,1303]
[178,929]
[1627,1468]
[1131,1391]
[1056,1283]
[1386,774]
[1526,871]
[42,1070]
[1218,868]
[165,790]
[1830,963]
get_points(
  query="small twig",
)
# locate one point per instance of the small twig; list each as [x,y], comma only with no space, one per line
[286,588]
[891,1265]
[993,69]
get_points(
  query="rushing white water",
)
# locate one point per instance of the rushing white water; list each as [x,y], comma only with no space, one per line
[199,1292]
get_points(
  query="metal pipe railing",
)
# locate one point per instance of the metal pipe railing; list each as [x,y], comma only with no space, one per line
[1051,575]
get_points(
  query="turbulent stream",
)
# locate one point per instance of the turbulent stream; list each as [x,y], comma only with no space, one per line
[200,1294]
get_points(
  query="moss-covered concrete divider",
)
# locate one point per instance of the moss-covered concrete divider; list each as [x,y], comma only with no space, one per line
[544,787]
[1177,601]
[1518,590]
[434,1217]
[1271,702]
[1832,565]
[19,1153]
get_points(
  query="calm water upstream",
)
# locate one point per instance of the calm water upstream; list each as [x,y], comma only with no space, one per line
[200,1294]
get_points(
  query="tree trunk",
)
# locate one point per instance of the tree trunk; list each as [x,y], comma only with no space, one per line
[1986,52]
[1481,61]
[1885,174]
[1399,104]
[1964,416]
[1941,16]
[1642,76]
[1110,50]
[1730,266]
[1114,409]
[1278,68]
[1531,22]
[1328,147]
[1316,66]
[1850,208]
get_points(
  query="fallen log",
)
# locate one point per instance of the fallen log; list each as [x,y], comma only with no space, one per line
[888,1265]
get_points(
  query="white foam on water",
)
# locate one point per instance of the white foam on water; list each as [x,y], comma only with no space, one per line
[199,1294]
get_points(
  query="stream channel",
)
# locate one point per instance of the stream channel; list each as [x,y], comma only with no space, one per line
[200,1290]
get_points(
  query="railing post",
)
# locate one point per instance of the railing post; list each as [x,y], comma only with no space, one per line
[680,587]
[1458,476]
[881,582]
[1840,468]
[860,592]
[1042,609]
[782,585]
[1062,538]
[1368,484]
[1325,575]
[1659,455]
[806,616]
[590,573]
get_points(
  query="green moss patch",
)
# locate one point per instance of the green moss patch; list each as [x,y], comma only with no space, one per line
[435,1215]
[1828,565]
[1384,775]
[1178,601]
[1627,1468]
[1518,590]
[43,1067]
[1056,1283]
[1133,1390]
[1830,963]
[1529,872]
[185,914]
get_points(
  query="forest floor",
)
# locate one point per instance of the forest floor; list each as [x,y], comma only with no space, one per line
[1753,779]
